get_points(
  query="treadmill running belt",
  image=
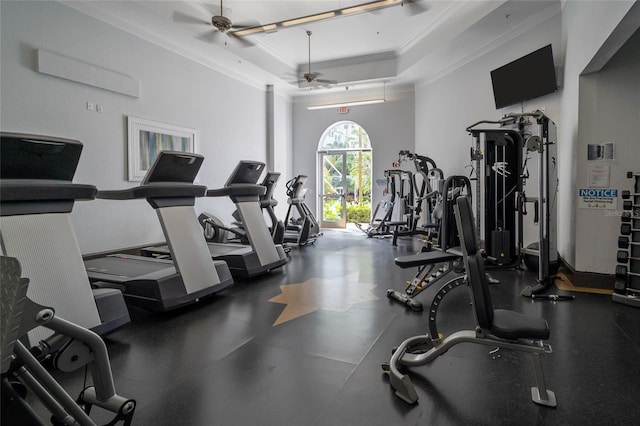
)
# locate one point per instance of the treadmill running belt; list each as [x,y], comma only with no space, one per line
[127,266]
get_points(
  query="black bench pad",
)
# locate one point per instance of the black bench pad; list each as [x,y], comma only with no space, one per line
[512,325]
[425,258]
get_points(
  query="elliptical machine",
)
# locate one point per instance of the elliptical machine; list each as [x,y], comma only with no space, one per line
[301,226]
[216,231]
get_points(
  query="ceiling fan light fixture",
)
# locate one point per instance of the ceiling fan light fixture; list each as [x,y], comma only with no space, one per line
[369,6]
[365,7]
[347,104]
[310,18]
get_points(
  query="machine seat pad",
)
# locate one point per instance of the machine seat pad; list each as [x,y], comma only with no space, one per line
[268,203]
[424,258]
[396,222]
[430,226]
[513,325]
[455,250]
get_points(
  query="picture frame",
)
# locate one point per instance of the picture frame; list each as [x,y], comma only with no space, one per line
[147,138]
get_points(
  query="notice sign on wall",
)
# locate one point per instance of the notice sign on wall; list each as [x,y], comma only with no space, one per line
[598,198]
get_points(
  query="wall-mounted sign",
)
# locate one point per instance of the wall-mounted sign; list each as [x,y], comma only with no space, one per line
[600,152]
[598,198]
[599,175]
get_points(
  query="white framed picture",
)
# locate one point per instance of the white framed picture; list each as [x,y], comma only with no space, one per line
[147,138]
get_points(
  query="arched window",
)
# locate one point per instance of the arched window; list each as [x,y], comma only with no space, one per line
[344,135]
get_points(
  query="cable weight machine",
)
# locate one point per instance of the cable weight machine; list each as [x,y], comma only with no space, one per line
[425,188]
[500,158]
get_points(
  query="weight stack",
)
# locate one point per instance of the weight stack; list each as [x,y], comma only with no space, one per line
[627,286]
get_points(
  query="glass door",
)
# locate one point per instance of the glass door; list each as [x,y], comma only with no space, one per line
[334,190]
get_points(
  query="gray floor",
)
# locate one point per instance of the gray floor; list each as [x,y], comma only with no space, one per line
[224,363]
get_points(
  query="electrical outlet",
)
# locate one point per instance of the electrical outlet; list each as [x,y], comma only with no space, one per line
[99,108]
[90,106]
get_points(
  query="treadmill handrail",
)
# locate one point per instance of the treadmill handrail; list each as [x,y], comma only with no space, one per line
[155,190]
[44,190]
[237,189]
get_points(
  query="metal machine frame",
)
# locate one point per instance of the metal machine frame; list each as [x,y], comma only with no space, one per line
[536,133]
[515,331]
[82,348]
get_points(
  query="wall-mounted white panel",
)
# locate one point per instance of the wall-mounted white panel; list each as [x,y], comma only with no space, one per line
[81,72]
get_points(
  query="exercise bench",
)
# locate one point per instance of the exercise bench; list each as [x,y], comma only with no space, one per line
[495,327]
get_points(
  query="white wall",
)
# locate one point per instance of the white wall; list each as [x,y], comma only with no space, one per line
[609,111]
[229,115]
[585,27]
[390,127]
[447,106]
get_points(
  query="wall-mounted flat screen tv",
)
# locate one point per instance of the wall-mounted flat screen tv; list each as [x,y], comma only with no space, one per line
[526,78]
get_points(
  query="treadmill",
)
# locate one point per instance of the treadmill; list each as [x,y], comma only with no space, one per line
[268,203]
[38,196]
[163,284]
[262,255]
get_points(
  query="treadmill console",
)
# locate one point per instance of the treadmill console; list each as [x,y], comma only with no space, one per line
[295,187]
[246,172]
[174,166]
[269,182]
[26,156]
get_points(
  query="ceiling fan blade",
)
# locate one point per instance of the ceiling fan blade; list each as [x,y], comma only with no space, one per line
[326,82]
[209,36]
[188,19]
[415,7]
[240,40]
[291,78]
[241,26]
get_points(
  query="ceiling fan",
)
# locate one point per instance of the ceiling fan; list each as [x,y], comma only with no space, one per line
[310,79]
[413,6]
[221,24]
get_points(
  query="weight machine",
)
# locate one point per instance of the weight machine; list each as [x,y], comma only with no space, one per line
[435,263]
[426,187]
[400,188]
[379,224]
[500,158]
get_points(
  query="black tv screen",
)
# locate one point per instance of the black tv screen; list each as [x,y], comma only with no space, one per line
[526,78]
